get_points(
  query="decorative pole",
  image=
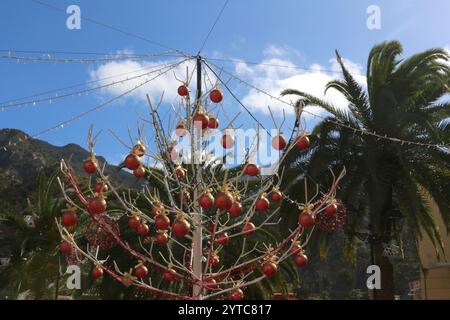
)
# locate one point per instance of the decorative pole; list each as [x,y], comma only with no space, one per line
[197,251]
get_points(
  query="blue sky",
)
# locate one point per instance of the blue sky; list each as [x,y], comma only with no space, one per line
[290,32]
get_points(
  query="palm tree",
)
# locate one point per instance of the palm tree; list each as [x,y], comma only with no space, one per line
[404,99]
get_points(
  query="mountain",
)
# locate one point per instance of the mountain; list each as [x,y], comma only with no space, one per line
[20,164]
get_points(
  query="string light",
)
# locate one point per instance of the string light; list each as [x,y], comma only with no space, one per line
[338,123]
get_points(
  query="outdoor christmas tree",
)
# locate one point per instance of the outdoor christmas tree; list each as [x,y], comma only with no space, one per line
[206,205]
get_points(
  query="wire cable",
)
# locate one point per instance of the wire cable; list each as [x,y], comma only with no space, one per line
[213,26]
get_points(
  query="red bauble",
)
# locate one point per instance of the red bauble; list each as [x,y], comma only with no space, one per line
[248,229]
[200,120]
[214,260]
[235,209]
[69,218]
[227,141]
[184,197]
[278,142]
[216,95]
[262,204]
[213,123]
[97,205]
[224,200]
[90,166]
[140,271]
[251,169]
[156,210]
[183,90]
[301,260]
[134,223]
[302,142]
[276,196]
[222,238]
[295,249]
[210,284]
[170,275]
[97,272]
[132,162]
[139,172]
[101,187]
[180,173]
[181,228]
[143,229]
[206,200]
[162,238]
[270,268]
[127,281]
[306,220]
[331,209]
[65,247]
[237,294]
[162,222]
[138,150]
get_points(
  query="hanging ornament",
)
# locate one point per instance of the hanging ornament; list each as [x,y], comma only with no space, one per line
[206,200]
[278,142]
[180,173]
[157,209]
[210,284]
[262,204]
[237,294]
[307,219]
[301,259]
[127,279]
[138,149]
[139,172]
[134,222]
[162,222]
[224,199]
[216,95]
[331,223]
[331,208]
[200,119]
[213,123]
[270,268]
[170,275]
[181,227]
[251,169]
[90,165]
[296,248]
[184,197]
[132,162]
[65,247]
[248,229]
[235,209]
[222,238]
[214,260]
[101,186]
[162,237]
[227,141]
[140,271]
[143,229]
[69,217]
[97,205]
[183,90]
[97,272]
[102,234]
[276,195]
[302,142]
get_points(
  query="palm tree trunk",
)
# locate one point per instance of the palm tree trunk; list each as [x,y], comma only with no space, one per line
[387,274]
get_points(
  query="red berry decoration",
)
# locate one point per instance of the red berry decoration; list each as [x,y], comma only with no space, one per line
[140,271]
[224,200]
[213,123]
[139,172]
[211,284]
[248,229]
[101,187]
[251,169]
[237,294]
[214,260]
[162,222]
[307,219]
[227,141]
[143,229]
[302,142]
[295,249]
[97,205]
[138,149]
[97,272]
[90,165]
[270,268]
[200,120]
[134,222]
[132,162]
[183,90]
[184,197]
[181,227]
[170,275]
[216,95]
[276,196]
[180,173]
[278,142]
[69,218]
[262,204]
[235,209]
[331,222]
[65,247]
[331,209]
[206,200]
[301,259]
[162,238]
[222,238]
